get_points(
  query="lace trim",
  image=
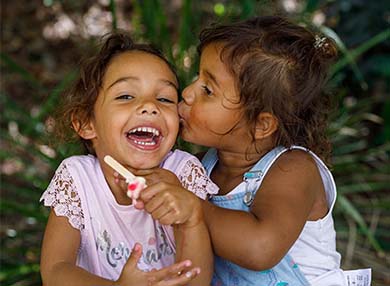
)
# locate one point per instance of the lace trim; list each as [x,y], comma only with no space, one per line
[62,196]
[194,178]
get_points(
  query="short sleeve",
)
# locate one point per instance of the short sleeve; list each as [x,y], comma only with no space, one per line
[194,178]
[61,195]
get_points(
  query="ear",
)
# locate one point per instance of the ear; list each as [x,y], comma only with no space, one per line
[86,130]
[266,125]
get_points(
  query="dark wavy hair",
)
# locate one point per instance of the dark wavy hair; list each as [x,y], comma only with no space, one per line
[281,68]
[77,103]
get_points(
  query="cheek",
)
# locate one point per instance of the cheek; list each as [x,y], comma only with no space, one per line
[198,116]
[173,117]
[172,123]
[174,128]
[110,123]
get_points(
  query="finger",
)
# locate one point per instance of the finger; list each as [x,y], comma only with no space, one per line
[182,279]
[159,207]
[156,202]
[165,190]
[169,219]
[164,207]
[139,205]
[135,255]
[118,177]
[120,181]
[154,178]
[166,217]
[171,270]
[152,190]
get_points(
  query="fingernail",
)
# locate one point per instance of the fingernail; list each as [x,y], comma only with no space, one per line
[137,247]
[197,270]
[188,274]
[187,263]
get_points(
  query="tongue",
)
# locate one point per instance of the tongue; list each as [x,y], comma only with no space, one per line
[142,136]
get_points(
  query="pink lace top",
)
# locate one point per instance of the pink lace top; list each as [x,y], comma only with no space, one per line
[108,230]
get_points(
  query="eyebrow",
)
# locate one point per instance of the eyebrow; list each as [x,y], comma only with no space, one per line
[122,79]
[212,77]
[127,78]
[168,82]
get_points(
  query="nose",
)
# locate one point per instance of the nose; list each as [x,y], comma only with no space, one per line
[147,107]
[188,95]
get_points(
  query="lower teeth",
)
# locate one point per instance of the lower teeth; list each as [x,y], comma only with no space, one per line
[145,143]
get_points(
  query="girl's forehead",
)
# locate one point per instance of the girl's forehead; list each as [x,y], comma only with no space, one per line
[141,64]
[137,59]
[212,64]
[212,52]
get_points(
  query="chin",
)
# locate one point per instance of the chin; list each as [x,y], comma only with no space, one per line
[146,164]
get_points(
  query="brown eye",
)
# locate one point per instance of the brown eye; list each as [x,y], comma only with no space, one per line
[206,90]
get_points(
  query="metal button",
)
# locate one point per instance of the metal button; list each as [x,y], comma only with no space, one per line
[248,198]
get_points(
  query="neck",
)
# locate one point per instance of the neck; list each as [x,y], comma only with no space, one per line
[233,166]
[118,189]
[238,163]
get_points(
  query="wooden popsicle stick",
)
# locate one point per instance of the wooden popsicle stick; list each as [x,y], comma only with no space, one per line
[119,168]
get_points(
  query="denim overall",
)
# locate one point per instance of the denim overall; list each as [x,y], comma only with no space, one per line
[226,273]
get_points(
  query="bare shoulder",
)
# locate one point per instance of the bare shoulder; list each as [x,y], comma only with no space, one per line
[296,178]
[296,161]
[293,175]
[288,194]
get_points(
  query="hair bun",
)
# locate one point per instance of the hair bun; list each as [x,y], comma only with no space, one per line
[325,47]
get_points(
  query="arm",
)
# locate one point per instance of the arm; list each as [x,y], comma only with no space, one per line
[169,203]
[193,242]
[58,257]
[58,262]
[281,208]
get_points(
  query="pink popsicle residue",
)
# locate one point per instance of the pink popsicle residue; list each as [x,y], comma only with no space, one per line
[135,187]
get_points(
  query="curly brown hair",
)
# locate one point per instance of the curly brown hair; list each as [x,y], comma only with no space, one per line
[77,103]
[279,67]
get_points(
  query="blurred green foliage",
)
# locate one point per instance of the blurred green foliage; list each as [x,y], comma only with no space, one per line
[359,130]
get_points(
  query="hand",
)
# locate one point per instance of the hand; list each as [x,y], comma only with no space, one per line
[152,175]
[156,175]
[167,201]
[174,275]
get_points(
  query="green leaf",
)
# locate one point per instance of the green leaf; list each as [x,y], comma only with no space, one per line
[53,98]
[113,15]
[27,76]
[350,56]
[311,6]
[350,210]
[27,210]
[362,187]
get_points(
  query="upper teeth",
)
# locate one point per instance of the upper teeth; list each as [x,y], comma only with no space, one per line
[146,129]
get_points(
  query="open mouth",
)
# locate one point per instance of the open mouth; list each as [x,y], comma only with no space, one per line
[144,137]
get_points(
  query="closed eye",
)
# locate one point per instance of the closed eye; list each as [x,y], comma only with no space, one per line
[125,97]
[166,100]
